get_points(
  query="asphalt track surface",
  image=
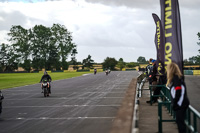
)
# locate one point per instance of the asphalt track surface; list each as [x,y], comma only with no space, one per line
[193,90]
[86,104]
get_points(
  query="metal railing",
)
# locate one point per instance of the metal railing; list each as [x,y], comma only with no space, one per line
[191,122]
[192,115]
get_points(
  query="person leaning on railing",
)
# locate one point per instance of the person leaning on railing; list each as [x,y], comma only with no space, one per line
[179,99]
[153,78]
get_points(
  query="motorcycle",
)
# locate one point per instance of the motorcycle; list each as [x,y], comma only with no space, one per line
[106,72]
[1,100]
[95,72]
[109,71]
[45,88]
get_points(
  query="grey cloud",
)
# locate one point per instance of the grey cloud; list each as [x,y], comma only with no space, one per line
[13,18]
[18,18]
[192,5]
[145,3]
[127,3]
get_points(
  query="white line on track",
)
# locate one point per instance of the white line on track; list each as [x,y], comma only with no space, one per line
[69,98]
[61,106]
[63,118]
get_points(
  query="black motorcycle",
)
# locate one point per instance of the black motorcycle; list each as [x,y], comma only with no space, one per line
[1,100]
[95,72]
[106,72]
[45,88]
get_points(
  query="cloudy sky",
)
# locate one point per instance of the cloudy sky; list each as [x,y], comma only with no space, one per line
[103,28]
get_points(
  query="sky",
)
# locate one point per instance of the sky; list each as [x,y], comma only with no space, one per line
[103,28]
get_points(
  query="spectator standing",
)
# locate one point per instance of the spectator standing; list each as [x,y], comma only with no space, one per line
[149,70]
[180,101]
[154,82]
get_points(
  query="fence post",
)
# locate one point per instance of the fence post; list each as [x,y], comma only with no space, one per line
[189,119]
[195,122]
[159,117]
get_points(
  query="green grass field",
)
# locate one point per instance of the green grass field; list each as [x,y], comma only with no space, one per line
[10,80]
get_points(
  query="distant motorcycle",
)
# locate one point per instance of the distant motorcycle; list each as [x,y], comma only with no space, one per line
[109,71]
[45,88]
[106,72]
[1,100]
[95,71]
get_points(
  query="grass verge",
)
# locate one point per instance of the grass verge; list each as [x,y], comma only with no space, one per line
[10,80]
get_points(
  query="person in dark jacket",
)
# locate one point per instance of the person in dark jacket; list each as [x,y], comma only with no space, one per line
[48,78]
[156,91]
[179,99]
[148,70]
[154,73]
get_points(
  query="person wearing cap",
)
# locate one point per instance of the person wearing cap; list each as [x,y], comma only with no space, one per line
[154,81]
[154,78]
[149,70]
[48,78]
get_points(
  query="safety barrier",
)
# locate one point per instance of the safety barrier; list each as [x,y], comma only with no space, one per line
[192,115]
[188,72]
[140,82]
[98,70]
[191,72]
[133,69]
[196,72]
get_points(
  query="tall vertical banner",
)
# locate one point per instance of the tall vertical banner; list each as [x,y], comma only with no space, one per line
[160,45]
[170,19]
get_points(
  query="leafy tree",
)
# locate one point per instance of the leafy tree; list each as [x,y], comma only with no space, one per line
[121,64]
[53,60]
[109,63]
[73,59]
[141,59]
[39,47]
[198,34]
[63,40]
[9,60]
[191,60]
[26,65]
[41,42]
[185,61]
[194,60]
[3,56]
[19,37]
[131,65]
[88,62]
[74,63]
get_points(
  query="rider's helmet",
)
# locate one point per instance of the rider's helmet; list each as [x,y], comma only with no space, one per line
[45,73]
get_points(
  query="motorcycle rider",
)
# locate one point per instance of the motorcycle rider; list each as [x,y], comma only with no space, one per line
[48,78]
[106,71]
[95,71]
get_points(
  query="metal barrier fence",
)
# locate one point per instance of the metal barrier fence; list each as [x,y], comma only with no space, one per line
[192,118]
[192,115]
[140,82]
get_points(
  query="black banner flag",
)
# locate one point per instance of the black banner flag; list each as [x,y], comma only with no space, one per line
[170,19]
[160,45]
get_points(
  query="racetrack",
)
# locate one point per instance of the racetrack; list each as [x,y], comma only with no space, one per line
[83,104]
[193,90]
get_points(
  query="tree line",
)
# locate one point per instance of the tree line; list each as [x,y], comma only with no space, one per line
[38,47]
[108,63]
[49,48]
